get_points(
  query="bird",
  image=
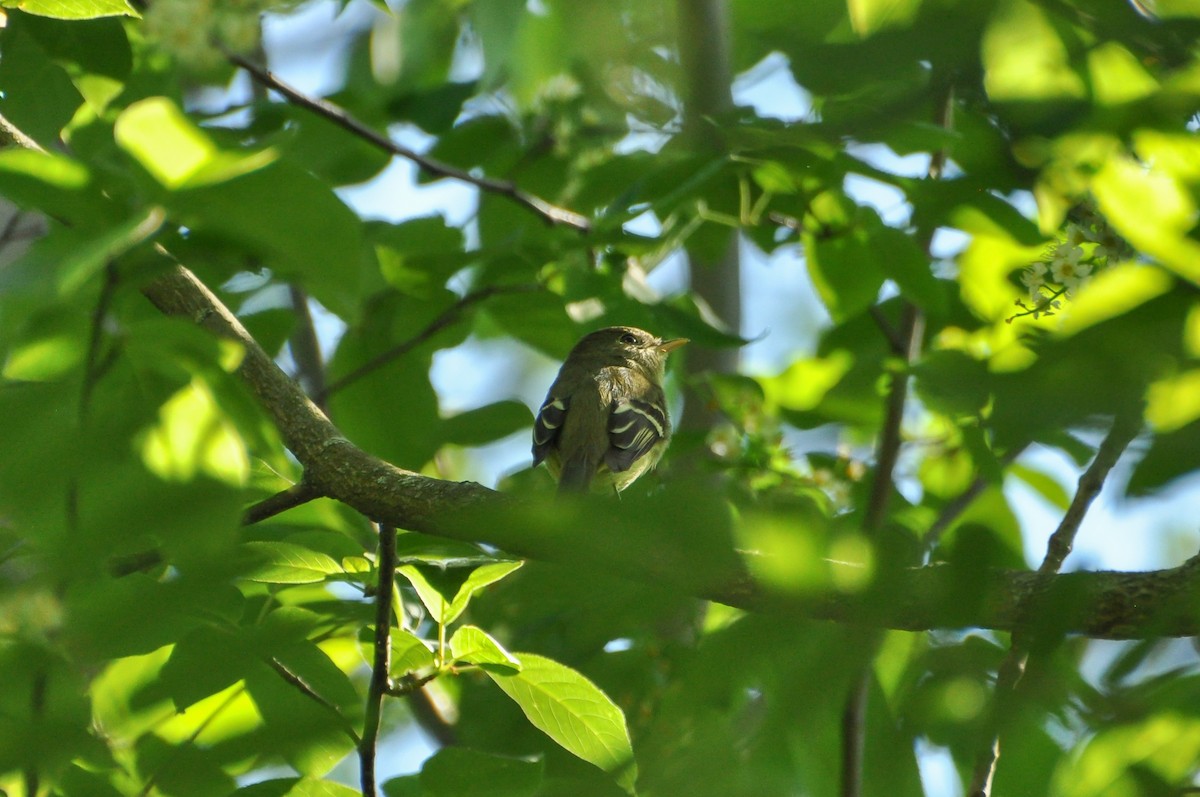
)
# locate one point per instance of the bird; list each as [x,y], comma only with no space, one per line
[604,421]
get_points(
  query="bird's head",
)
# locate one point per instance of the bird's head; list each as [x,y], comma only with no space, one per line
[627,345]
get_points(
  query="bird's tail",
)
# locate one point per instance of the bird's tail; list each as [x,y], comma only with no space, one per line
[576,475]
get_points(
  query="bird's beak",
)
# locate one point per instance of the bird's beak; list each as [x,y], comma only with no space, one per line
[668,346]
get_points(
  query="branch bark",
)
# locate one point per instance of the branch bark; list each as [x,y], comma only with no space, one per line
[1110,605]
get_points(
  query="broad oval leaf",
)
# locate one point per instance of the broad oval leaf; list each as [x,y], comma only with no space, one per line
[472,645]
[285,563]
[572,711]
[76,9]
[445,597]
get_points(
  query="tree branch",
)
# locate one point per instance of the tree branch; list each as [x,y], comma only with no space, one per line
[306,350]
[381,665]
[1108,605]
[272,505]
[1120,435]
[549,213]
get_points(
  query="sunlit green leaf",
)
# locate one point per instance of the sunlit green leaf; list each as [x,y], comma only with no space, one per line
[446,597]
[193,437]
[285,563]
[473,645]
[573,712]
[74,9]
[409,652]
[1114,762]
[1025,58]
[177,152]
[869,16]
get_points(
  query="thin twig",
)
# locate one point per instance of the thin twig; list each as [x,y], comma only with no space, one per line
[305,347]
[306,689]
[447,317]
[895,340]
[382,663]
[94,365]
[13,135]
[299,493]
[411,684]
[550,213]
[1125,427]
[953,510]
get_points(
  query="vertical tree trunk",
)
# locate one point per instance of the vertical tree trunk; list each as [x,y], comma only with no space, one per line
[704,49]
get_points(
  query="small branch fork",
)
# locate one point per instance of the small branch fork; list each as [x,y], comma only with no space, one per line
[550,213]
[1120,435]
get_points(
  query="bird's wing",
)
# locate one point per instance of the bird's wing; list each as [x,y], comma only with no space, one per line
[547,425]
[634,427]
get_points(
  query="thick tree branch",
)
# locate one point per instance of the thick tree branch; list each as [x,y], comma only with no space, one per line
[550,213]
[1109,605]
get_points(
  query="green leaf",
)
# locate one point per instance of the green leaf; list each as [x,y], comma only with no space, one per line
[574,712]
[52,183]
[414,547]
[445,597]
[1153,209]
[176,152]
[39,97]
[486,424]
[310,735]
[419,255]
[952,382]
[285,563]
[1043,484]
[871,16]
[907,265]
[202,663]
[1117,760]
[46,358]
[472,645]
[297,787]
[405,786]
[74,9]
[845,271]
[409,652]
[462,772]
[1170,457]
[1026,59]
[286,216]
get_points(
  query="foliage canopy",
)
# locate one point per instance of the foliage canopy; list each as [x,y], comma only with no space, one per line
[191,605]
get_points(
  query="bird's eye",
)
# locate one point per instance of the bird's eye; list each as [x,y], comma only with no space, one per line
[629,338]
